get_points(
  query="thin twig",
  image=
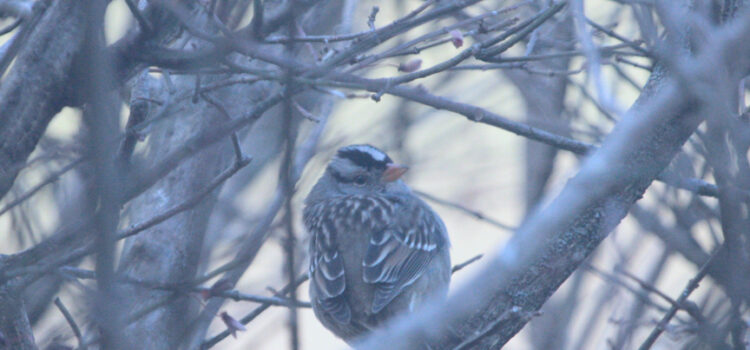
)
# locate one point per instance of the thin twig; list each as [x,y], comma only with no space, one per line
[466,210]
[604,51]
[635,45]
[187,204]
[317,38]
[514,311]
[460,266]
[275,300]
[633,63]
[72,322]
[410,48]
[12,26]
[208,343]
[520,31]
[52,178]
[290,240]
[74,272]
[688,307]
[238,156]
[371,18]
[33,272]
[286,290]
[145,25]
[691,286]
[619,282]
[251,245]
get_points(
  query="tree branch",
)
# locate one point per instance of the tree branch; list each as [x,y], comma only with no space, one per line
[558,238]
[14,323]
[37,86]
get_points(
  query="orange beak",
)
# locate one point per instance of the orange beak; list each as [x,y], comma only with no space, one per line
[393,172]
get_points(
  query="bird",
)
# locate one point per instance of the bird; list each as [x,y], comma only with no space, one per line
[376,250]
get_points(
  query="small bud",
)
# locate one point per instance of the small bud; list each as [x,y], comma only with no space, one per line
[232,324]
[457,38]
[410,66]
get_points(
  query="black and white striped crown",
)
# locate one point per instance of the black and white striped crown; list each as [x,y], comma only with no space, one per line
[365,156]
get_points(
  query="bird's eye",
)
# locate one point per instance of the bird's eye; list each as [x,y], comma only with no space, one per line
[360,180]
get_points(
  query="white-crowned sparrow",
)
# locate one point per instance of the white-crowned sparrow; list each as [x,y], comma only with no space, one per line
[376,249]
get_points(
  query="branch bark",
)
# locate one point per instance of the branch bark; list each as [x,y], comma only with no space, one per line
[36,88]
[170,251]
[594,216]
[544,99]
[14,323]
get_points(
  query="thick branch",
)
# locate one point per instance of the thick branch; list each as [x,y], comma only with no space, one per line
[14,323]
[555,241]
[35,89]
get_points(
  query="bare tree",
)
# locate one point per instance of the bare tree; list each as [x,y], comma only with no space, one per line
[186,166]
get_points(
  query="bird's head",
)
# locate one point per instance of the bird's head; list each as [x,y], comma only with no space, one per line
[360,170]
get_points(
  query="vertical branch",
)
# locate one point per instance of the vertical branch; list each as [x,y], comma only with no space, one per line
[727,168]
[101,117]
[291,241]
[71,321]
[544,99]
[732,215]
[257,21]
[625,332]
[265,141]
[593,59]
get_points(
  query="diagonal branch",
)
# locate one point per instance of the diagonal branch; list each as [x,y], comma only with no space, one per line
[36,87]
[558,238]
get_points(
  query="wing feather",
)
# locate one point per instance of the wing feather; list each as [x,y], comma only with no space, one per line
[399,255]
[327,267]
